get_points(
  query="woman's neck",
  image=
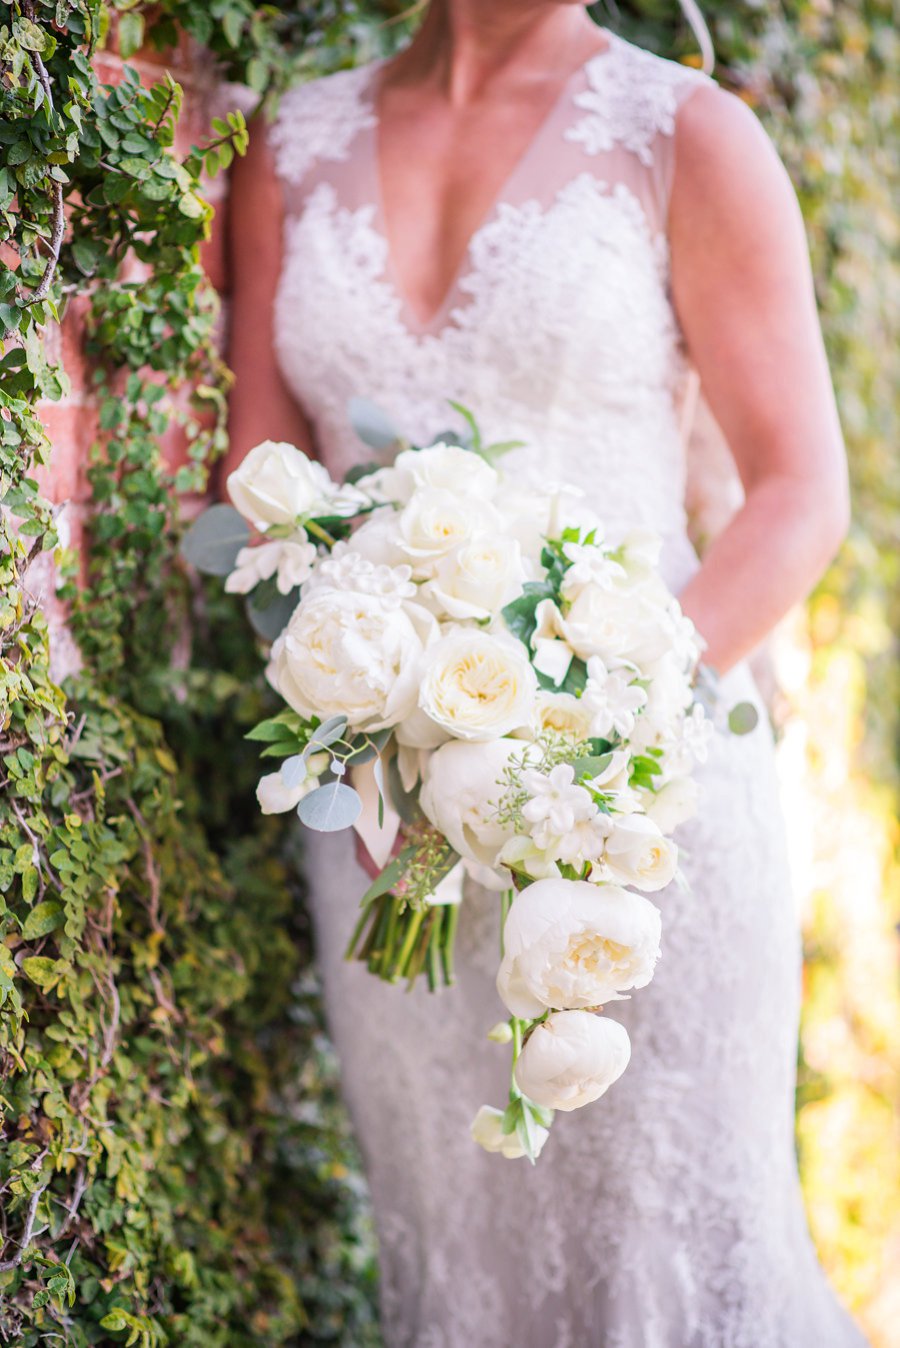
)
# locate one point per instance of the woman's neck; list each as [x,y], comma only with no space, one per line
[464,45]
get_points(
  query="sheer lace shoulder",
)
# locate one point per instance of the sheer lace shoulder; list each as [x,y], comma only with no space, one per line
[319,121]
[631,98]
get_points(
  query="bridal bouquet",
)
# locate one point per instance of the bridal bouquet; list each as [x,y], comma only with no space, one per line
[482,681]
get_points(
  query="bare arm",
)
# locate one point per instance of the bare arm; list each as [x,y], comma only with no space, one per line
[260,407]
[744,295]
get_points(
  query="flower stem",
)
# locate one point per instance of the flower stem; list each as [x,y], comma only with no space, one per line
[448,943]
[318,532]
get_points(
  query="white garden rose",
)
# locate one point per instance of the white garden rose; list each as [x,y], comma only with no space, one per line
[672,804]
[476,579]
[569,944]
[638,854]
[487,1131]
[572,1059]
[621,625]
[376,540]
[563,714]
[462,785]
[435,521]
[477,686]
[276,483]
[345,653]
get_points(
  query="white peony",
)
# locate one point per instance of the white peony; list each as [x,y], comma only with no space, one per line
[476,579]
[277,484]
[462,786]
[487,1131]
[353,654]
[638,854]
[477,686]
[569,944]
[572,1059]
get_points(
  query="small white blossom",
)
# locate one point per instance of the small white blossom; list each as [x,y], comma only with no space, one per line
[612,700]
[556,803]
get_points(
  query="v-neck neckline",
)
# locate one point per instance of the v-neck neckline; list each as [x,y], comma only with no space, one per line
[436,320]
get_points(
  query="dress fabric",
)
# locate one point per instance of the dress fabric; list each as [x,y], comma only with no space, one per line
[668,1214]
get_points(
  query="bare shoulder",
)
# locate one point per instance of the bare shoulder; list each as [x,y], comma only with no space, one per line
[725,163]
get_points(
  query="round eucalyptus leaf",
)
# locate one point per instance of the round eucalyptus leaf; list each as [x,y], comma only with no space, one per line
[269,620]
[743,718]
[326,733]
[373,426]
[215,538]
[293,771]
[330,808]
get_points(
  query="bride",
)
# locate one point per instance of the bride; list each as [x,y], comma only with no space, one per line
[569,235]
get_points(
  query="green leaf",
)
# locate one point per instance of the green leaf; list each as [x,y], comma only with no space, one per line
[44,918]
[743,718]
[373,426]
[131,33]
[43,972]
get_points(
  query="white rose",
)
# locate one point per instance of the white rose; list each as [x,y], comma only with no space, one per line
[477,578]
[563,714]
[638,854]
[276,483]
[572,1059]
[487,1131]
[462,785]
[435,521]
[569,944]
[345,653]
[672,804]
[376,540]
[448,467]
[620,625]
[477,686]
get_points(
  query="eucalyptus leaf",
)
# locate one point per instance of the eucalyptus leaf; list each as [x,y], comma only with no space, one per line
[406,803]
[367,747]
[743,718]
[294,771]
[330,808]
[373,426]
[329,732]
[269,620]
[215,538]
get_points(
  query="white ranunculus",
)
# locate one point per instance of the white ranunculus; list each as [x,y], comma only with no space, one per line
[638,854]
[462,786]
[572,1059]
[276,483]
[476,579]
[487,1131]
[435,521]
[672,804]
[345,653]
[477,686]
[569,944]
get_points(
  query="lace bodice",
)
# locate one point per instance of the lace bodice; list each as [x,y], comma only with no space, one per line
[576,235]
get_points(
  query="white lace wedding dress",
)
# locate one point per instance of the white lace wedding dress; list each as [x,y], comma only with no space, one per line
[669,1214]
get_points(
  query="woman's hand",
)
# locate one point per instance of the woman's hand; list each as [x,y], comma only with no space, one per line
[743,291]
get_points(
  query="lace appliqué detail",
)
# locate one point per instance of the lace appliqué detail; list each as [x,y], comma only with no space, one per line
[631,100]
[319,121]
